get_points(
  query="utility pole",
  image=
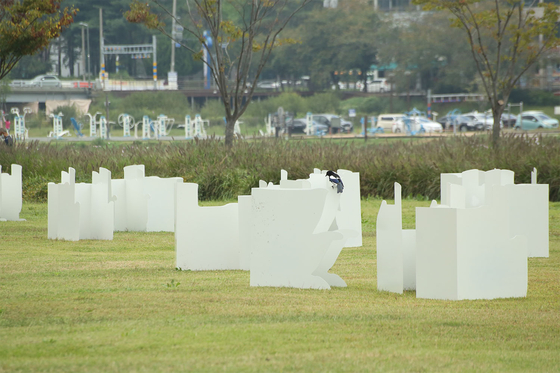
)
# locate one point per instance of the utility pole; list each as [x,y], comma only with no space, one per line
[103,79]
[173,26]
[101,56]
[154,61]
[83,54]
[88,59]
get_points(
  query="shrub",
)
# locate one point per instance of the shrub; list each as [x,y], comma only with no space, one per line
[223,174]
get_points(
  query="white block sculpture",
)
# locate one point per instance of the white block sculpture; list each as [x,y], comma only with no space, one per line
[81,211]
[396,249]
[527,203]
[144,204]
[206,238]
[468,253]
[295,241]
[349,216]
[10,194]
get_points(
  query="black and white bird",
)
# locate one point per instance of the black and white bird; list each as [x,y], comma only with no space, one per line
[335,180]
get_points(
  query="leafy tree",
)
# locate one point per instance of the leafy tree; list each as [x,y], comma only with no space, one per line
[30,66]
[506,38]
[426,50]
[333,40]
[27,26]
[243,33]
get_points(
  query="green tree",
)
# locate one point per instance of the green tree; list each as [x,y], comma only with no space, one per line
[243,33]
[27,26]
[333,40]
[506,38]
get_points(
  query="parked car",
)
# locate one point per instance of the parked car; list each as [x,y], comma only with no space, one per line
[464,124]
[386,121]
[530,120]
[378,85]
[45,81]
[416,123]
[299,125]
[509,120]
[483,121]
[334,122]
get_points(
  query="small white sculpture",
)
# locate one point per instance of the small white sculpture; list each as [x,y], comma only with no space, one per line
[396,249]
[144,204]
[198,245]
[10,194]
[81,211]
[349,216]
[295,240]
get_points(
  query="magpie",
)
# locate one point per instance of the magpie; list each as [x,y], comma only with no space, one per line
[335,180]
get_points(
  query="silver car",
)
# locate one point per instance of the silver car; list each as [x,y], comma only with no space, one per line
[45,81]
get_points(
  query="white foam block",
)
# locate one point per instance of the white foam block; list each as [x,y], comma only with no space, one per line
[11,193]
[206,238]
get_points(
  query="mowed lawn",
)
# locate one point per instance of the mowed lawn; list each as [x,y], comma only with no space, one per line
[120,306]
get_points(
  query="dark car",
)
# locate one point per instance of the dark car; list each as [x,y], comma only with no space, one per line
[462,122]
[334,122]
[300,125]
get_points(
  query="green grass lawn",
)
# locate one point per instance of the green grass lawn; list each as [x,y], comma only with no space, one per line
[120,306]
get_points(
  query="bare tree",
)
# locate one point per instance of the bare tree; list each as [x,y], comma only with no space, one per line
[506,37]
[238,46]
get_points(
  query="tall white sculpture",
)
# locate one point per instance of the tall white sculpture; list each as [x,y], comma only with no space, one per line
[198,244]
[295,240]
[81,211]
[10,194]
[396,248]
[144,204]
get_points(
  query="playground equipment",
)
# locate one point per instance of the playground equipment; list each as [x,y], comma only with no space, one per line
[237,129]
[188,127]
[147,127]
[93,123]
[58,130]
[20,132]
[199,130]
[308,123]
[452,117]
[164,125]
[409,117]
[102,127]
[374,129]
[269,127]
[77,126]
[126,122]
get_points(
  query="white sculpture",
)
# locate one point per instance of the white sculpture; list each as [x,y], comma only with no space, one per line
[468,253]
[527,203]
[295,240]
[198,245]
[349,216]
[144,204]
[81,211]
[396,249]
[10,194]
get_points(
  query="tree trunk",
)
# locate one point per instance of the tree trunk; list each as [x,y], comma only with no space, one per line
[497,111]
[230,124]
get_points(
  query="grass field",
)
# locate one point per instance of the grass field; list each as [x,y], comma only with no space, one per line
[120,306]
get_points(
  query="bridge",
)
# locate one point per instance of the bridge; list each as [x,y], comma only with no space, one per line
[41,95]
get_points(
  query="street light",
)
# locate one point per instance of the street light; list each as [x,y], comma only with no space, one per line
[88,56]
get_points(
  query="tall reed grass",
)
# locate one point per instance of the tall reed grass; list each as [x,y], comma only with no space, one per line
[223,173]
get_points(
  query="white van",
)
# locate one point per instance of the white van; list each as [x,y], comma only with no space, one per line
[386,121]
